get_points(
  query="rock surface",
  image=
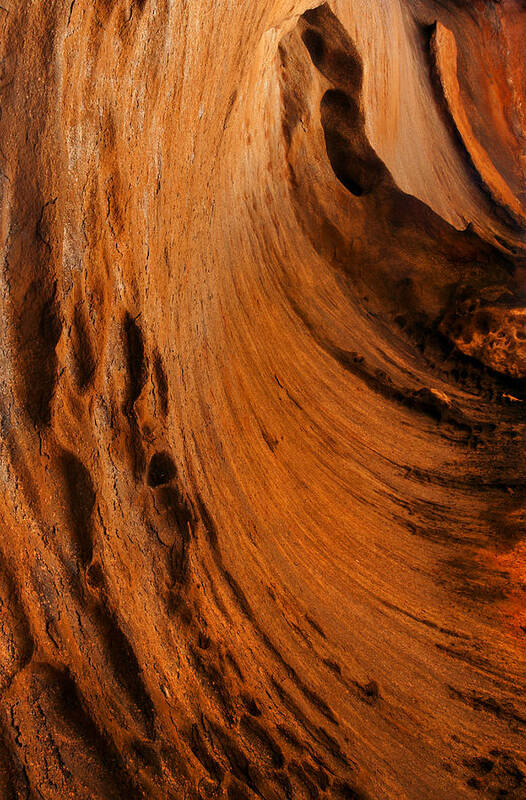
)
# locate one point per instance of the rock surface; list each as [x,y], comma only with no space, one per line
[262,399]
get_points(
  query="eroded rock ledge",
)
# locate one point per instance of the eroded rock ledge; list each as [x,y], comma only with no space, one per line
[262,400]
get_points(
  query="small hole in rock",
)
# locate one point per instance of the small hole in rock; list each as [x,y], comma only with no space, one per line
[315,45]
[161,470]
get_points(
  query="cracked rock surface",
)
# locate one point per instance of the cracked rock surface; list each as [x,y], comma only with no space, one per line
[263,400]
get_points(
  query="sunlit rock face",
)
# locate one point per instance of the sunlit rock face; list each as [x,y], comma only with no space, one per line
[262,400]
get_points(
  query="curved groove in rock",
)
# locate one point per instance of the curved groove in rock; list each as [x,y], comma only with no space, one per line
[445,54]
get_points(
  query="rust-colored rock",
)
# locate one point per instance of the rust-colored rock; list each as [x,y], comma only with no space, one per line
[262,400]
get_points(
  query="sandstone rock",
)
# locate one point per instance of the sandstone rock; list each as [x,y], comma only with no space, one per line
[262,399]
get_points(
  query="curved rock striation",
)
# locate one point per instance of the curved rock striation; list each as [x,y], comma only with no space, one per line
[262,400]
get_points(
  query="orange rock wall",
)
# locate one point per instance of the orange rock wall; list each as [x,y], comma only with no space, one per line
[263,350]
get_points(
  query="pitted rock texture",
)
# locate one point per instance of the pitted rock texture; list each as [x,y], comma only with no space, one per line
[262,400]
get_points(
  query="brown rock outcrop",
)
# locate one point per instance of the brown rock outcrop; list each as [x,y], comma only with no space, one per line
[263,351]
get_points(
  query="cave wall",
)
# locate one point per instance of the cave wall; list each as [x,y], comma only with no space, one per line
[262,400]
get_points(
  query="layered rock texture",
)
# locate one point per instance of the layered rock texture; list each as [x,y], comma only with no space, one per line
[263,400]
